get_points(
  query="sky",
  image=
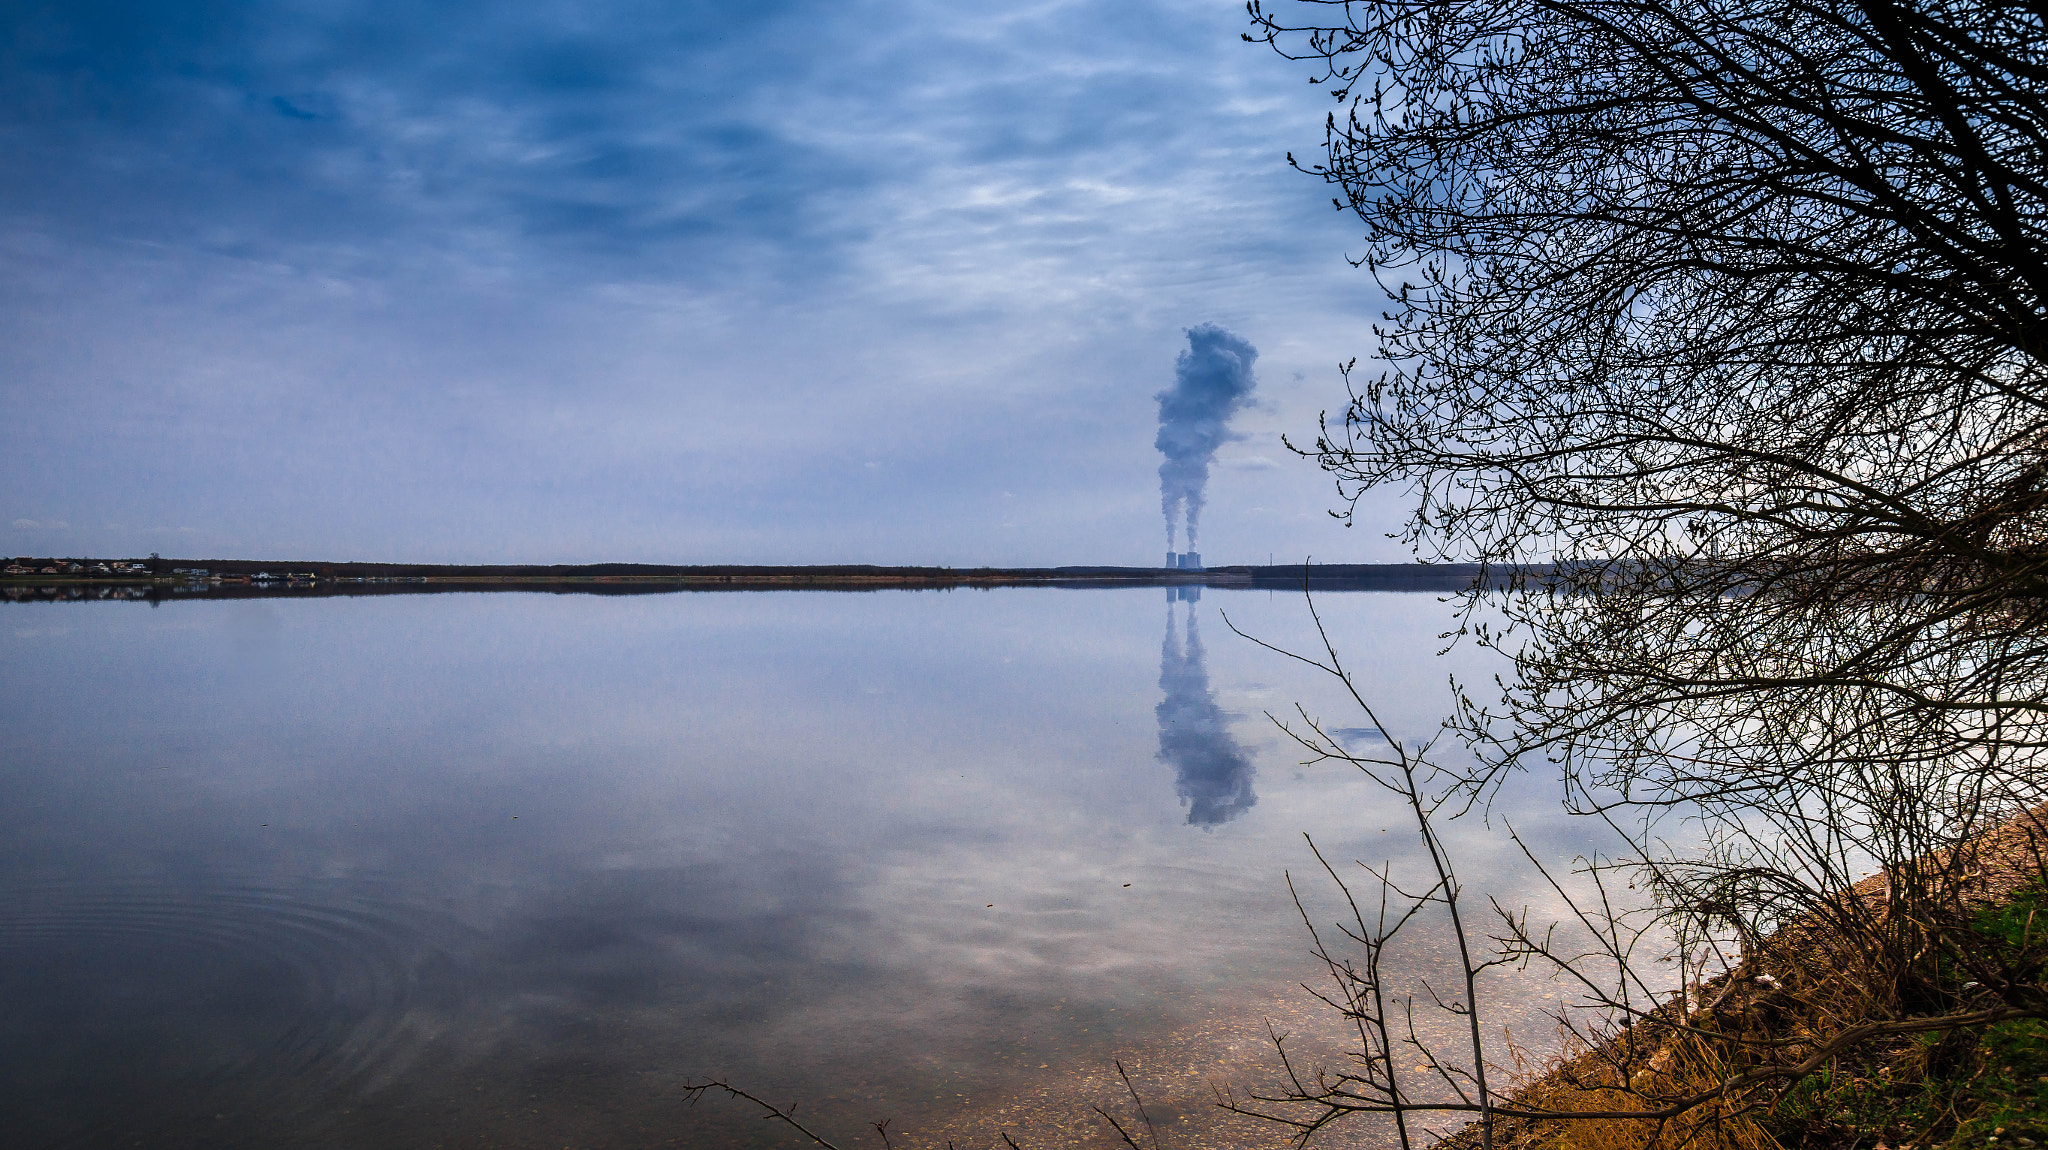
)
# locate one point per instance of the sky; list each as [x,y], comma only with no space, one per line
[873,281]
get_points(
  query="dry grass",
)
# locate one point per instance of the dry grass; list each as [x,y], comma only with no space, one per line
[1804,987]
[1682,1067]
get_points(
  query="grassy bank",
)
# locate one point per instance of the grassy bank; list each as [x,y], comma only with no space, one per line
[1821,1040]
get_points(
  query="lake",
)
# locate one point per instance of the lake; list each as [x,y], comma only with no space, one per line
[510,869]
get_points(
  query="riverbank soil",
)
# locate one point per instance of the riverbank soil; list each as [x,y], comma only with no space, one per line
[1817,1041]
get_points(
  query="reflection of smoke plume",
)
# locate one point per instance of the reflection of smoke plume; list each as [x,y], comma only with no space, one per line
[1214,773]
[1212,379]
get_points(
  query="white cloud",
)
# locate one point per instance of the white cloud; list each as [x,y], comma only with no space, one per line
[1248,463]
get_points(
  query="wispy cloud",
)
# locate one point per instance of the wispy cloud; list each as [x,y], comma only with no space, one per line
[572,278]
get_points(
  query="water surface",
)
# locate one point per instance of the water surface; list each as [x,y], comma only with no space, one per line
[508,870]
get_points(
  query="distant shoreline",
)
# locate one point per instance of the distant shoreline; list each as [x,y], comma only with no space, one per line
[30,579]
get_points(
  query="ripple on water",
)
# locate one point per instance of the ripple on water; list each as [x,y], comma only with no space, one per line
[143,998]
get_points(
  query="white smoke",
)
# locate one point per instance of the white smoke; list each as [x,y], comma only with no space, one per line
[1212,379]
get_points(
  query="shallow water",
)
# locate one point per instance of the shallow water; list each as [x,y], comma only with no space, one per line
[509,869]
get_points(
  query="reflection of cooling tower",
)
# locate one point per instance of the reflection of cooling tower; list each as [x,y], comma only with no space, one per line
[1212,773]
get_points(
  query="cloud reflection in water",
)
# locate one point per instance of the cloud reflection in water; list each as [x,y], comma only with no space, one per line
[1212,773]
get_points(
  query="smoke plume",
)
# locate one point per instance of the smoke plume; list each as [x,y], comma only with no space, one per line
[1212,379]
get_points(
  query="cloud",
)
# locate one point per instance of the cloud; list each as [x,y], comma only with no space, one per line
[41,525]
[805,139]
[640,280]
[1248,463]
[1356,736]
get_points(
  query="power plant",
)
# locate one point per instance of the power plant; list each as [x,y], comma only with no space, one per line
[1212,381]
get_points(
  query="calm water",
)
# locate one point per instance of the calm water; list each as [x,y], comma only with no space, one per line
[507,869]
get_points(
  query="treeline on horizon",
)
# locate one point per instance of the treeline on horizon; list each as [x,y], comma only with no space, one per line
[349,569]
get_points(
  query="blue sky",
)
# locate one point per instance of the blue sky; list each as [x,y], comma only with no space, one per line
[675,282]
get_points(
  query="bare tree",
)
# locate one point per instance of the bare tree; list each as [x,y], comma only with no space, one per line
[1720,324]
[1713,298]
[1728,275]
[1719,329]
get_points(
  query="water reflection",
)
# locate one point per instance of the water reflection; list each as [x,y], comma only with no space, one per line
[506,870]
[1212,773]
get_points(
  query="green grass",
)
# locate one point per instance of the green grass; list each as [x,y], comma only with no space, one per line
[1985,1088]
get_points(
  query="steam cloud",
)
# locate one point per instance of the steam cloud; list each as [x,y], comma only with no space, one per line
[1213,774]
[1212,379]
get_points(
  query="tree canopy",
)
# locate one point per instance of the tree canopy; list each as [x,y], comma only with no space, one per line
[1735,309]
